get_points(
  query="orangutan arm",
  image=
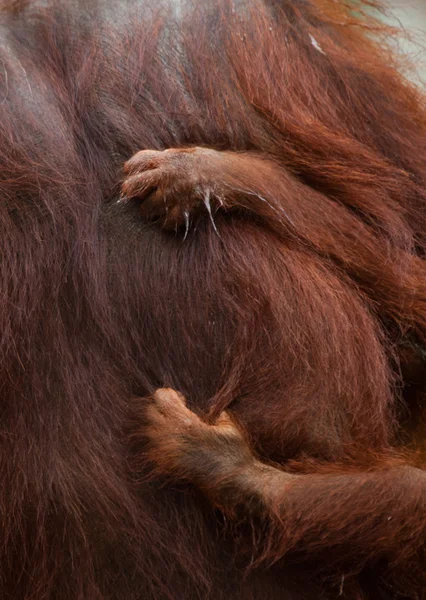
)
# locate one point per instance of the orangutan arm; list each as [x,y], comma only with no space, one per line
[339,515]
[177,185]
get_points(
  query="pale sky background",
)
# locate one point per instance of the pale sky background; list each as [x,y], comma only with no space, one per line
[412,15]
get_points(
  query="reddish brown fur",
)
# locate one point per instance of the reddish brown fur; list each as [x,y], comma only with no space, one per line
[304,316]
[340,515]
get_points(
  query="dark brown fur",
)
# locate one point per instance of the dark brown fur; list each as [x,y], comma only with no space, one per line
[302,311]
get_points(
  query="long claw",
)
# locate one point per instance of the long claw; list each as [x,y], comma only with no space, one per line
[186,216]
[209,210]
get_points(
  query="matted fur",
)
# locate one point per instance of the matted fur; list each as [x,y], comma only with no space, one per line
[299,328]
